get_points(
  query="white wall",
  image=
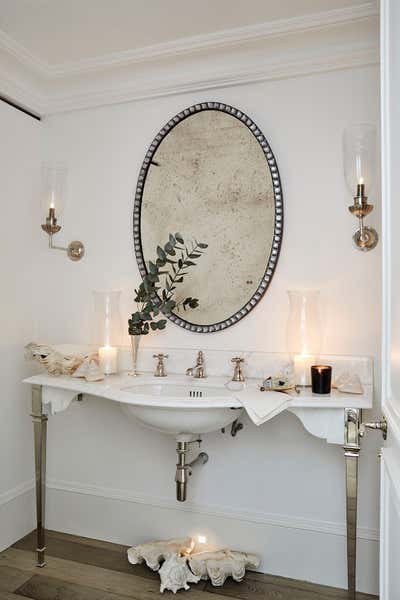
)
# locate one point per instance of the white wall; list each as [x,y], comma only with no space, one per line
[274,489]
[19,168]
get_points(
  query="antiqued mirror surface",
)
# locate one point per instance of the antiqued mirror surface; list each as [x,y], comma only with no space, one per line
[211,175]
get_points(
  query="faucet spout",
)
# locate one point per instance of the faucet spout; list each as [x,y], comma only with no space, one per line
[198,371]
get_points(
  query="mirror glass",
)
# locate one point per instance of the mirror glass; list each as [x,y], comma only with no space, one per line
[211,176]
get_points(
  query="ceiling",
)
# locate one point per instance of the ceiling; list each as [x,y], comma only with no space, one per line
[65,31]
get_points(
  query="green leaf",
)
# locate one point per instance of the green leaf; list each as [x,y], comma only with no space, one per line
[179,238]
[189,263]
[153,268]
[172,240]
[160,253]
[201,245]
[169,249]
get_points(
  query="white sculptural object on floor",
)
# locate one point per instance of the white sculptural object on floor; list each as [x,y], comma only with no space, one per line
[222,564]
[175,574]
[153,553]
[182,564]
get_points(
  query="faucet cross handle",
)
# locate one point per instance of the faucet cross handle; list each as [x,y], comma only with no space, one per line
[237,373]
[160,368]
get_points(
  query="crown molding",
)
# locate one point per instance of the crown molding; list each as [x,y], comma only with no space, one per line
[347,58]
[22,55]
[219,39]
[336,39]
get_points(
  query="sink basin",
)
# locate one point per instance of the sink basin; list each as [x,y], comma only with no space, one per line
[180,408]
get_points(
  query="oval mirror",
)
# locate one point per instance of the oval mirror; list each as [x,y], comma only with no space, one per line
[210,174]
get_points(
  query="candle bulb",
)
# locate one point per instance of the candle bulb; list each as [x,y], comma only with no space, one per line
[321,377]
[108,359]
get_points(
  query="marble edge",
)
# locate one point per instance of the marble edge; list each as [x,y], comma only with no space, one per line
[110,389]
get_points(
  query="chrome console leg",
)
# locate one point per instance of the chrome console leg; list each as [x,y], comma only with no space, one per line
[40,435]
[351,453]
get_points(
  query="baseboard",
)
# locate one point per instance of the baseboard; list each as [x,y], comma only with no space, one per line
[16,514]
[289,546]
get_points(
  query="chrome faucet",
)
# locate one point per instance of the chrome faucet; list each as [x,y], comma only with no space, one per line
[237,373]
[160,368]
[198,371]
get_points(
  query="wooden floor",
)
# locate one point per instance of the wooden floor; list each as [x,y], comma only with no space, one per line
[83,569]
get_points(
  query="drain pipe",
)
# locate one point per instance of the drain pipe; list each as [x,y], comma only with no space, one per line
[184,469]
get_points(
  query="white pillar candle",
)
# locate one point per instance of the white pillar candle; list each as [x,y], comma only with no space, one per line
[108,359]
[302,368]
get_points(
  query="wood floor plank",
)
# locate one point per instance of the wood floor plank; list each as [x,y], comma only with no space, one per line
[10,596]
[110,556]
[249,589]
[256,585]
[30,539]
[11,578]
[106,580]
[48,588]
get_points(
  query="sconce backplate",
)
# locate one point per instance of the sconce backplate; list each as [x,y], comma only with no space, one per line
[75,250]
[367,241]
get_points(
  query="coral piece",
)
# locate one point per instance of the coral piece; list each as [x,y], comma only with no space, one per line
[175,574]
[222,564]
[56,363]
[153,553]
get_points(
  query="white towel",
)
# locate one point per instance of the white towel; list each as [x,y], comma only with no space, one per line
[262,406]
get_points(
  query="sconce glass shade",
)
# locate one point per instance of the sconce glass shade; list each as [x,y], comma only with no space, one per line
[107,322]
[54,185]
[304,334]
[359,156]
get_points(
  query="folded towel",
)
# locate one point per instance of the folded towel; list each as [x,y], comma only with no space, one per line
[262,406]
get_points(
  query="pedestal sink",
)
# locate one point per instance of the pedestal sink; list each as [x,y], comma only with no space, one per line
[182,408]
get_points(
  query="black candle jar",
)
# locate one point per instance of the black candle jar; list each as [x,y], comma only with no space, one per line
[321,378]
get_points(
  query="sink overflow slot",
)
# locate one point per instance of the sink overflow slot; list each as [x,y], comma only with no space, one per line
[195,394]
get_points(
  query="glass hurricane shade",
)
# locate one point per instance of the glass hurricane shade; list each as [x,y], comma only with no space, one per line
[359,156]
[107,322]
[54,185]
[304,335]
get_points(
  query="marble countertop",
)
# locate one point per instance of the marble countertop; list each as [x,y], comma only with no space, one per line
[113,387]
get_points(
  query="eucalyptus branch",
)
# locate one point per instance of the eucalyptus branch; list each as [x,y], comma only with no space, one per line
[149,302]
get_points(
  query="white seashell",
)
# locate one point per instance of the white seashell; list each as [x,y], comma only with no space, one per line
[54,361]
[181,565]
[222,564]
[90,369]
[175,574]
[153,553]
[349,384]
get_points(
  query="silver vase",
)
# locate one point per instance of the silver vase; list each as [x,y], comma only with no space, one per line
[135,341]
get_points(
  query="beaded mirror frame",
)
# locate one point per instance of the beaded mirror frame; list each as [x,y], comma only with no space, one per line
[278,204]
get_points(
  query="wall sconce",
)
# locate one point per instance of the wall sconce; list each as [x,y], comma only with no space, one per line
[359,159]
[54,180]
